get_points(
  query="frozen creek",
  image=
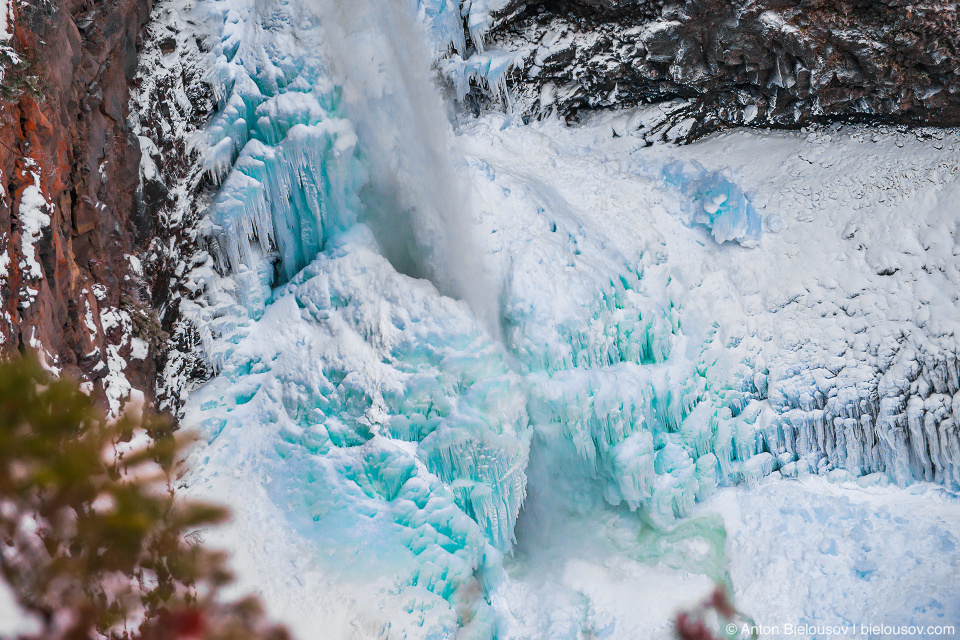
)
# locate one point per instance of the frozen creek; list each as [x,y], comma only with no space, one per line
[532,381]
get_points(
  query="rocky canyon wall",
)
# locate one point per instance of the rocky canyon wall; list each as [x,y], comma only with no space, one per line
[71,285]
[782,63]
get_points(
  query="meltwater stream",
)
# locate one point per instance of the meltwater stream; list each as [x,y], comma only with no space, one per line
[451,403]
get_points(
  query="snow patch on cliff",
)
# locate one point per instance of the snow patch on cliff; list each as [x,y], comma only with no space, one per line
[6,20]
[33,220]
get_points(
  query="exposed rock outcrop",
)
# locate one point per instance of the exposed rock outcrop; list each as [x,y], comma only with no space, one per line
[768,62]
[71,284]
[171,102]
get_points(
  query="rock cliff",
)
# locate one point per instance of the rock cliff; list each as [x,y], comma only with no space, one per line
[71,282]
[781,63]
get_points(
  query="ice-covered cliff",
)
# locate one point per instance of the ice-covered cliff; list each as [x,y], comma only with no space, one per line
[783,64]
[491,376]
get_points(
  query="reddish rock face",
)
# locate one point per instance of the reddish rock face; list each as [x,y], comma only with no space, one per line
[70,171]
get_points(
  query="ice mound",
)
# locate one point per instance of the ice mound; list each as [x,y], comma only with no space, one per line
[379,415]
[716,203]
[660,422]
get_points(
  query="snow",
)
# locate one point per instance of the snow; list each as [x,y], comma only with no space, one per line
[14,620]
[118,323]
[33,220]
[135,265]
[4,260]
[657,365]
[6,19]
[771,312]
[681,336]
[776,22]
[820,553]
[139,349]
[115,383]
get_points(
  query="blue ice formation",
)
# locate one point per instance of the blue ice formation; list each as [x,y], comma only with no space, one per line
[662,418]
[444,25]
[445,20]
[385,419]
[716,203]
[279,145]
[463,66]
[378,414]
[658,421]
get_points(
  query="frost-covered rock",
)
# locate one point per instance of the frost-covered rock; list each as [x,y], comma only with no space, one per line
[756,63]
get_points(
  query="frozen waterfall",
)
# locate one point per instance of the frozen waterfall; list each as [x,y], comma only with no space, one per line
[407,322]
[329,115]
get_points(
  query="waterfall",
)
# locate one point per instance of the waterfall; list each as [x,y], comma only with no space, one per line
[329,115]
[384,432]
[416,202]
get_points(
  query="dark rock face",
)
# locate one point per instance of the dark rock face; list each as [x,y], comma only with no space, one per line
[768,62]
[171,103]
[69,162]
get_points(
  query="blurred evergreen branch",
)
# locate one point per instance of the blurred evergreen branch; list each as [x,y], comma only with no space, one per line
[94,541]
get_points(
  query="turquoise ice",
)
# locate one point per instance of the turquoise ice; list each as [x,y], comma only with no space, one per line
[382,416]
[716,202]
